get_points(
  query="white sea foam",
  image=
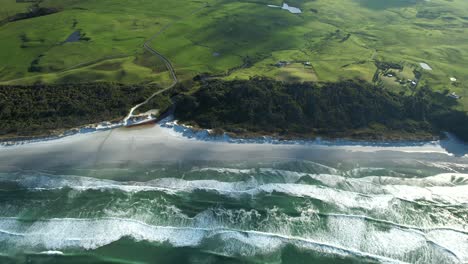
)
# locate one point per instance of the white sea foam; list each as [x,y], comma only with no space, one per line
[52,252]
[373,192]
[172,127]
[232,189]
[455,195]
[442,179]
[449,166]
[224,170]
[358,234]
[66,233]
[392,199]
[368,171]
[451,240]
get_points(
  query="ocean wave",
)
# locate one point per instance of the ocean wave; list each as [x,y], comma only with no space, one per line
[398,225]
[51,252]
[424,202]
[389,246]
[447,188]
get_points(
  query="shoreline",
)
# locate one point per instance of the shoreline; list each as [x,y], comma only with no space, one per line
[246,136]
[59,134]
[166,142]
[81,130]
[208,135]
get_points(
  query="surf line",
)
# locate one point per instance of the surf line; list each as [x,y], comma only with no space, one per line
[336,249]
[390,223]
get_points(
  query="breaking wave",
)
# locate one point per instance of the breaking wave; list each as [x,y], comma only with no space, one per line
[392,245]
[262,212]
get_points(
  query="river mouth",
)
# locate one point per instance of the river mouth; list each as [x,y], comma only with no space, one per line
[101,196]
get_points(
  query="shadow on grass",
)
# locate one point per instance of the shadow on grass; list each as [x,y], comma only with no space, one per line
[385,4]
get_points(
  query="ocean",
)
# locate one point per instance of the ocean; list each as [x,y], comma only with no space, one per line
[152,195]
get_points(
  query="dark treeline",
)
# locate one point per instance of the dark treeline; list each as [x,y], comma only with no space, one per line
[263,106]
[342,109]
[38,109]
[34,11]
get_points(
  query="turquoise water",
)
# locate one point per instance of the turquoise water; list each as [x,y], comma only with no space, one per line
[307,205]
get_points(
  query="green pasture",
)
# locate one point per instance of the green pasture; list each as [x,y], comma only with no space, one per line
[10,7]
[341,39]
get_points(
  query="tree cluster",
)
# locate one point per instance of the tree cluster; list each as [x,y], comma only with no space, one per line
[265,105]
[34,11]
[37,109]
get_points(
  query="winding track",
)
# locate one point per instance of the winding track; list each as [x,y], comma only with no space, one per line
[169,67]
[166,61]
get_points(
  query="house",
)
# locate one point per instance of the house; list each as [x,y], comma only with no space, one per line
[453,79]
[454,95]
[281,63]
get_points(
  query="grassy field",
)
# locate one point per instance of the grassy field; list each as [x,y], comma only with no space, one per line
[342,39]
[11,7]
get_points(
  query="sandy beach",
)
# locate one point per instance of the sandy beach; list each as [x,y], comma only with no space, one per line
[155,187]
[154,143]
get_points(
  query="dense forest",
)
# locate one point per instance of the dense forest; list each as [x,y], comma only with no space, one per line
[344,109]
[39,109]
[244,107]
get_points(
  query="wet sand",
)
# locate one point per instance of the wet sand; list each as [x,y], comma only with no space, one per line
[156,144]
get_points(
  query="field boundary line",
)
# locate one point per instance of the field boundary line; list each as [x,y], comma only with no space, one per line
[166,61]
